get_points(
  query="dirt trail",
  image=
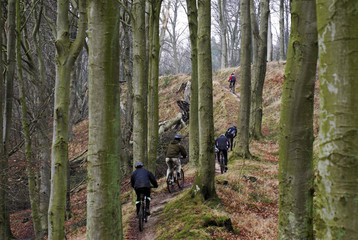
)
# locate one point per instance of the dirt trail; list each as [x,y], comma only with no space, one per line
[157,207]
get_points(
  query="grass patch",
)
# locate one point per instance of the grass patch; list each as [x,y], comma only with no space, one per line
[192,218]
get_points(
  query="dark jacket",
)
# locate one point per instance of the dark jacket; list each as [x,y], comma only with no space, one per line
[231,132]
[174,150]
[142,178]
[222,143]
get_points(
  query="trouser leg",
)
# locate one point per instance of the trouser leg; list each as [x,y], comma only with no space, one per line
[178,163]
[169,162]
[225,157]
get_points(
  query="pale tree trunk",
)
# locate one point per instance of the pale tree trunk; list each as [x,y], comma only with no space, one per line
[296,124]
[287,13]
[259,72]
[165,14]
[5,230]
[255,33]
[139,81]
[127,128]
[269,40]
[153,77]
[193,112]
[30,168]
[282,31]
[223,25]
[66,55]
[337,188]
[104,218]
[242,146]
[43,141]
[204,185]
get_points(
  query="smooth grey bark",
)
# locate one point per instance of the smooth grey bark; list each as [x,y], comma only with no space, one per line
[139,81]
[9,92]
[259,72]
[296,126]
[269,40]
[30,168]
[194,97]
[104,218]
[242,143]
[204,185]
[337,189]
[66,54]
[223,26]
[153,79]
[282,31]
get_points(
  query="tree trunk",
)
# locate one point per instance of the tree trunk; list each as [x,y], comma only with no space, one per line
[127,128]
[66,55]
[204,182]
[242,146]
[269,40]
[104,219]
[11,63]
[30,168]
[43,142]
[337,188]
[193,115]
[223,25]
[259,72]
[282,31]
[139,80]
[153,77]
[296,124]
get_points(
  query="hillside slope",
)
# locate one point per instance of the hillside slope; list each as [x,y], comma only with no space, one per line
[247,203]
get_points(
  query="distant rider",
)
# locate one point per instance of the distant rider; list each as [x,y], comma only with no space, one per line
[232,81]
[222,143]
[174,151]
[141,181]
[231,134]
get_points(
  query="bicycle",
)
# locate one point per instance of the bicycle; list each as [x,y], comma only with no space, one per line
[232,87]
[173,179]
[222,163]
[142,215]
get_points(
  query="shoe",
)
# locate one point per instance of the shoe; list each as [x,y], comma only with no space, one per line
[225,168]
[147,212]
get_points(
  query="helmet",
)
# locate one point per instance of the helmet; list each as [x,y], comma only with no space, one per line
[177,136]
[138,165]
[232,73]
[234,127]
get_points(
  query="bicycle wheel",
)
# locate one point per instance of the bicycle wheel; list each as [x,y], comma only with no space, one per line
[170,183]
[180,181]
[141,217]
[222,165]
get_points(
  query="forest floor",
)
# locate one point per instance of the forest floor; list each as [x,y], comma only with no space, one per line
[247,195]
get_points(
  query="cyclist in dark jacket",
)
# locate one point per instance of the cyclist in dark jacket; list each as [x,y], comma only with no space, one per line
[231,134]
[141,181]
[174,151]
[222,143]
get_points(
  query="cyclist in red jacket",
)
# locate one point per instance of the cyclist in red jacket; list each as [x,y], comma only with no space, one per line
[232,81]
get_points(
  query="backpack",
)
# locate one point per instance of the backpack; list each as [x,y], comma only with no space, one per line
[233,78]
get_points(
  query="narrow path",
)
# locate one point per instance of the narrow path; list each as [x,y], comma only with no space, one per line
[157,207]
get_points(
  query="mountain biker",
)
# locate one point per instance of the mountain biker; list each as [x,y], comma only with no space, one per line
[222,143]
[232,81]
[231,134]
[174,151]
[141,180]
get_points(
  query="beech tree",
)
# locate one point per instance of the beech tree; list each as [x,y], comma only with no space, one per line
[242,144]
[103,189]
[192,13]
[66,54]
[139,81]
[153,78]
[222,14]
[296,126]
[337,189]
[5,231]
[259,70]
[204,184]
